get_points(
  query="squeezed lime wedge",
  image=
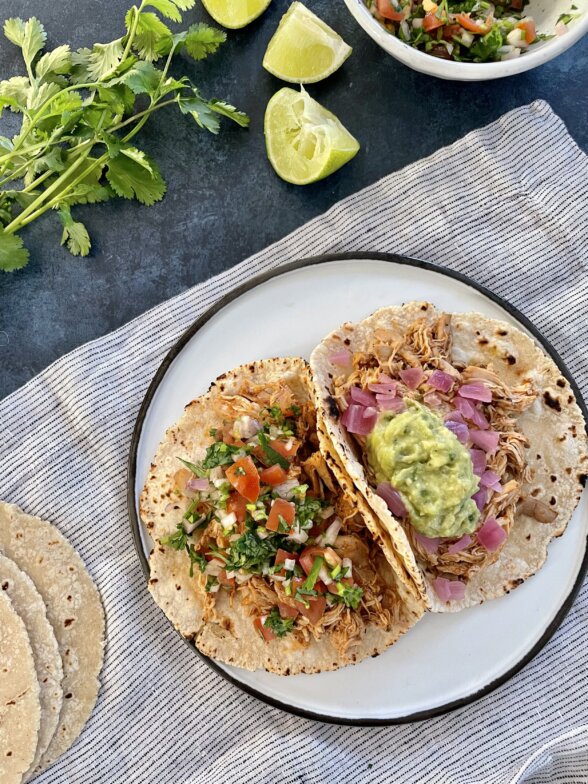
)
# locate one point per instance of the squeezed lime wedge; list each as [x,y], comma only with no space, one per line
[305,142]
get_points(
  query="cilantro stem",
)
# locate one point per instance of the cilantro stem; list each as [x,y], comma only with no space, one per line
[133,30]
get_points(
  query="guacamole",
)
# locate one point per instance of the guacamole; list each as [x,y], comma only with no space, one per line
[429,467]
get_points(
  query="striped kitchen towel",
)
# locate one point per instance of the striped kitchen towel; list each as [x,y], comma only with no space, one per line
[507,205]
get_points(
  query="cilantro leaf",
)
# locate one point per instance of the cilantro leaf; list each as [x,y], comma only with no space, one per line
[195,558]
[92,65]
[196,106]
[166,8]
[58,61]
[149,32]
[133,177]
[29,35]
[75,234]
[14,30]
[278,625]
[14,93]
[227,110]
[200,40]
[350,594]
[13,254]
[143,77]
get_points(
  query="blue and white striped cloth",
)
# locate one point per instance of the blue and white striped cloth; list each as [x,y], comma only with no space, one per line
[507,205]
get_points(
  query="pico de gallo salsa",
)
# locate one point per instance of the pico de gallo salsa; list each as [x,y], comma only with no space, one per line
[264,520]
[476,31]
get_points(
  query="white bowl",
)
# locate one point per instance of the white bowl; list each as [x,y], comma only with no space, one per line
[544,12]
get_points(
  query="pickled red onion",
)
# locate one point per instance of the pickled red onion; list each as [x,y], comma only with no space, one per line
[491,535]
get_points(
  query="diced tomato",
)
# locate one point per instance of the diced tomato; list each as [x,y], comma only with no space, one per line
[318,527]
[466,21]
[266,633]
[224,580]
[274,475]
[280,508]
[283,555]
[244,478]
[237,504]
[287,448]
[450,30]
[431,22]
[529,29]
[286,611]
[386,10]
[308,555]
[315,611]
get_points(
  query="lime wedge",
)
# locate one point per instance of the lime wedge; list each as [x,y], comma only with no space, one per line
[235,13]
[304,49]
[305,142]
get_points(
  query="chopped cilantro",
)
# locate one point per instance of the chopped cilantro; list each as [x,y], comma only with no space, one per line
[219,454]
[195,558]
[178,540]
[350,595]
[251,553]
[271,454]
[307,511]
[279,626]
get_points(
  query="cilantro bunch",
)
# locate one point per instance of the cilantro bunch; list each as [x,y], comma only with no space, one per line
[80,111]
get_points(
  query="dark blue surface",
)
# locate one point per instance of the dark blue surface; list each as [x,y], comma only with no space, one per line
[224,200]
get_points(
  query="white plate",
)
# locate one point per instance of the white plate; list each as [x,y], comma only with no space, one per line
[445,660]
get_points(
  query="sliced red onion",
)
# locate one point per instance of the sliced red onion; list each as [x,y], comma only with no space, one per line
[431,545]
[432,399]
[478,461]
[390,403]
[475,391]
[485,439]
[454,416]
[465,407]
[491,480]
[342,357]
[363,397]
[355,420]
[491,535]
[384,379]
[412,377]
[460,545]
[449,590]
[202,485]
[392,499]
[440,381]
[461,431]
[388,388]
[480,498]
[480,420]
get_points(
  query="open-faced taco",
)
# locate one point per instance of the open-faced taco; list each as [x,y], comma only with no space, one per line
[464,438]
[264,555]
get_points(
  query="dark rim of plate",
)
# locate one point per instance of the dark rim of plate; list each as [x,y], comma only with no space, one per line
[189,334]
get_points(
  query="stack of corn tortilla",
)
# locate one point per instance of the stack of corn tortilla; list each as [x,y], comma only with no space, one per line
[51,645]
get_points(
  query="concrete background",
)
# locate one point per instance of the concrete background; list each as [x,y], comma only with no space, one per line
[224,200]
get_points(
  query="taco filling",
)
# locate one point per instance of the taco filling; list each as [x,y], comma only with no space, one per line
[440,443]
[266,527]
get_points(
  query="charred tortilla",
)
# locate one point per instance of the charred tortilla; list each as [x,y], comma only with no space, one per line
[539,463]
[235,585]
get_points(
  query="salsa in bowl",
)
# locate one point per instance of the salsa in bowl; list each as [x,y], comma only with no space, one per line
[472,39]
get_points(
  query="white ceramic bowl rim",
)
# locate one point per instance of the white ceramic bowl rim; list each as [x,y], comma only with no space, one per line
[449,69]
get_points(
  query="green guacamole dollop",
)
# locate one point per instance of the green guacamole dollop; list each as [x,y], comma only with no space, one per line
[424,461]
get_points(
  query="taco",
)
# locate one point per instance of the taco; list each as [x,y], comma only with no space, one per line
[464,438]
[264,556]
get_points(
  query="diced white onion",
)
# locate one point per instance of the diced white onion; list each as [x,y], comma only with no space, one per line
[417,23]
[289,564]
[405,29]
[216,473]
[279,577]
[347,564]
[330,535]
[189,527]
[213,568]
[245,427]
[327,512]
[512,55]
[467,38]
[218,483]
[561,28]
[232,574]
[285,489]
[262,534]
[242,578]
[298,536]
[517,38]
[325,576]
[228,521]
[214,588]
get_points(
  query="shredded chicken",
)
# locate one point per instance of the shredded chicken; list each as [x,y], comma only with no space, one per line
[428,346]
